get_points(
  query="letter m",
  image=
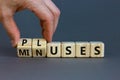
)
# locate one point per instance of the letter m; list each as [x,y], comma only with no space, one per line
[23,52]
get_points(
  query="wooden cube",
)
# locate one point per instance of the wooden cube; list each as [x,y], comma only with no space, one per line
[97,49]
[82,49]
[24,47]
[54,49]
[39,47]
[68,49]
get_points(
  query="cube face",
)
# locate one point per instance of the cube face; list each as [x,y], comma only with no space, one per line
[97,49]
[39,47]
[82,49]
[54,49]
[68,49]
[24,47]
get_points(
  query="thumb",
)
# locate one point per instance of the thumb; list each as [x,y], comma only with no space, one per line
[11,28]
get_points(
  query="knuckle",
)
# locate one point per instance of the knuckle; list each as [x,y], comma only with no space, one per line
[5,15]
[57,13]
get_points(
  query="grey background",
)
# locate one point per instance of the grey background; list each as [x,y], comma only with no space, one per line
[81,20]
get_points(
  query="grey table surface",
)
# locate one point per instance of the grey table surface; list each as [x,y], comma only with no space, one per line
[81,20]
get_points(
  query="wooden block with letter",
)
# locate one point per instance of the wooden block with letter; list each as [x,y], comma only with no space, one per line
[97,49]
[24,47]
[39,47]
[54,49]
[68,49]
[82,49]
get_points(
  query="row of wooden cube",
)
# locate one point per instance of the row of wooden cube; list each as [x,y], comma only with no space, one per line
[40,48]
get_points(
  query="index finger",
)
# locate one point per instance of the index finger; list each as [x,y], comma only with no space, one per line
[46,18]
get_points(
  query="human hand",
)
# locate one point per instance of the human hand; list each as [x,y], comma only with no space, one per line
[45,10]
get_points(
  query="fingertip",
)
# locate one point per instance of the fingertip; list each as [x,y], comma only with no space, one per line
[48,39]
[15,37]
[47,36]
[15,42]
